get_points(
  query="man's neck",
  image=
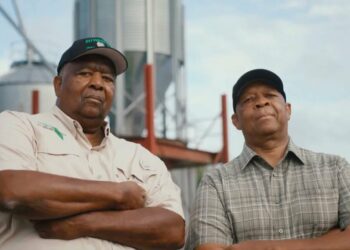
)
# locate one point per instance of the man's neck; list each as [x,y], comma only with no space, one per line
[93,130]
[272,150]
[95,139]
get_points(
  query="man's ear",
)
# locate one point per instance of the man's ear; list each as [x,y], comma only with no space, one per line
[235,121]
[289,110]
[57,83]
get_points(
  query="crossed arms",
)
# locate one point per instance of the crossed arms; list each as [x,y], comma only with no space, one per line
[333,240]
[69,208]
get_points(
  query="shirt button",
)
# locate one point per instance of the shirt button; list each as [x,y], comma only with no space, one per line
[280,231]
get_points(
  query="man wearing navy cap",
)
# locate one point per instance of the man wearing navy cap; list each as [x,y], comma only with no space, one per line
[67,183]
[274,195]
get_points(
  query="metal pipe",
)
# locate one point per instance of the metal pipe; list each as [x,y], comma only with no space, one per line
[28,42]
[149,31]
[149,87]
[120,90]
[29,51]
[35,101]
[224,129]
[134,105]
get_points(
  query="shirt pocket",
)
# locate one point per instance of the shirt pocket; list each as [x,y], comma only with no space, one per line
[314,210]
[61,159]
[145,174]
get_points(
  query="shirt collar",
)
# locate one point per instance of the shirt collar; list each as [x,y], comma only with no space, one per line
[248,154]
[72,125]
[296,151]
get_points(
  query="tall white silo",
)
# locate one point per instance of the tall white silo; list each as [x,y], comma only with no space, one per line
[18,86]
[123,23]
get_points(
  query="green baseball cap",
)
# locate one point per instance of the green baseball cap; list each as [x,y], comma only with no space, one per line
[96,46]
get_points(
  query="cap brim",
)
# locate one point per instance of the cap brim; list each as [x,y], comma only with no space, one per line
[118,59]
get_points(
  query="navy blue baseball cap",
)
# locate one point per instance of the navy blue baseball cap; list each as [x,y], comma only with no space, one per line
[96,46]
[253,76]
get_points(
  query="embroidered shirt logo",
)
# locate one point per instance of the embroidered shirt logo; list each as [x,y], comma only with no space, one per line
[52,128]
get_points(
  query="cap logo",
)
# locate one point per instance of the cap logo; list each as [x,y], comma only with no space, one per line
[99,44]
[96,42]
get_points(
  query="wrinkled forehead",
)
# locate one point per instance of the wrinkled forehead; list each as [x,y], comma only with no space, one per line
[96,61]
[257,86]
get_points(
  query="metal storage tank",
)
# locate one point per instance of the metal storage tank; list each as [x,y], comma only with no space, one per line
[123,23]
[27,87]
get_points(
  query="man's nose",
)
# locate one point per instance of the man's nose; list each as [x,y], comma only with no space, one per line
[261,102]
[96,80]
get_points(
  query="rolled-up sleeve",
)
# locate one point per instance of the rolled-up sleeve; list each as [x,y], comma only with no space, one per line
[17,143]
[344,193]
[209,223]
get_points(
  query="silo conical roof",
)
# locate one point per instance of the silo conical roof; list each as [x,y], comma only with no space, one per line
[24,72]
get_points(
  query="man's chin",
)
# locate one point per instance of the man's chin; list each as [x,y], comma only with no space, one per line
[92,113]
[267,129]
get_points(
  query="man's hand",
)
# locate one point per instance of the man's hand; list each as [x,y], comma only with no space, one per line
[252,245]
[245,245]
[144,228]
[64,229]
[133,196]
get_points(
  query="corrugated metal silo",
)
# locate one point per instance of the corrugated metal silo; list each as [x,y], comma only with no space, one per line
[19,84]
[123,24]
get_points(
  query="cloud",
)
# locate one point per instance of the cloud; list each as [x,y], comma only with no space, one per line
[331,9]
[49,30]
[322,126]
[310,54]
[305,42]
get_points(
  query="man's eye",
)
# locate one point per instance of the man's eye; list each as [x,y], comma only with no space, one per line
[270,95]
[247,99]
[108,79]
[84,73]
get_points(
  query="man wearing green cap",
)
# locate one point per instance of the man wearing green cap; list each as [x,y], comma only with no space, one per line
[274,195]
[67,183]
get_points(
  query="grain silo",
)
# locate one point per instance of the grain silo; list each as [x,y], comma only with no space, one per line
[140,28]
[27,87]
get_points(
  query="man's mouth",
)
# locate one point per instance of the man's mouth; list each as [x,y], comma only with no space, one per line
[92,98]
[264,116]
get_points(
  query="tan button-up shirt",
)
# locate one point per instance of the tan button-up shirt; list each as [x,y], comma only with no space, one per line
[54,143]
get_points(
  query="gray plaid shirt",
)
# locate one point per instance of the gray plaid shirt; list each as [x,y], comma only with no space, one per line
[305,196]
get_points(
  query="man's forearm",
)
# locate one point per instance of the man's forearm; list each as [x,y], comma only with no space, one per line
[333,240]
[145,228]
[39,196]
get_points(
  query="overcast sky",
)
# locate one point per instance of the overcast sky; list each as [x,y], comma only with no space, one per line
[305,42]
